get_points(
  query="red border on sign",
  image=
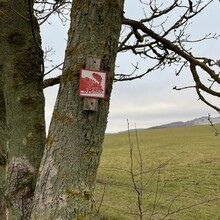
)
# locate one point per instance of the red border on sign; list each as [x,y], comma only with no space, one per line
[92,83]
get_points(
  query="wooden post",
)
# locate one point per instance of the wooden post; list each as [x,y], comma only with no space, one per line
[93,63]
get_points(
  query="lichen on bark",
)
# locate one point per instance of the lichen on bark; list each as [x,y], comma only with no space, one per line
[75,135]
[20,63]
[20,186]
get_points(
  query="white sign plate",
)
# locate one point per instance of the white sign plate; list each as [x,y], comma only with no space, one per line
[92,83]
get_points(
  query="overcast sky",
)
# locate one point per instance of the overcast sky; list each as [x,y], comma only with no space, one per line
[151,100]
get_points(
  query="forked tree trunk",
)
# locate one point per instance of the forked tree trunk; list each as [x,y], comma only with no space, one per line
[21,63]
[74,144]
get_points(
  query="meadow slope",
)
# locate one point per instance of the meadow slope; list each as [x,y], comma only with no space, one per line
[180,170]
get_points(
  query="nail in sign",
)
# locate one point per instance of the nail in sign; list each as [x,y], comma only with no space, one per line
[92,83]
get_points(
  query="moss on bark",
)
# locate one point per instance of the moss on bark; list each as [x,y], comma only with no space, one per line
[20,63]
[76,135]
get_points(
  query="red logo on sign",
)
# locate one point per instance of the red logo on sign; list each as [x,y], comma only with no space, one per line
[92,84]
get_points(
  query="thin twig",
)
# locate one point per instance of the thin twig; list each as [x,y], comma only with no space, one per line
[189,207]
[51,70]
[211,124]
[140,195]
[101,201]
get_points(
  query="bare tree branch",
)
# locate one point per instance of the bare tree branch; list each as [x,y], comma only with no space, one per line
[54,68]
[51,82]
[44,9]
[210,121]
[171,47]
[155,37]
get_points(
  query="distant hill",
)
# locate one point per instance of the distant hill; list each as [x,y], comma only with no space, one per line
[196,121]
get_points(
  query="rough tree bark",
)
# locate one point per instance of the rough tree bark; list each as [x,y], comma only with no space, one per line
[74,144]
[2,151]
[21,68]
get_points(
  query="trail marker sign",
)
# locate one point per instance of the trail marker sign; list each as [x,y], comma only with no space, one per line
[92,83]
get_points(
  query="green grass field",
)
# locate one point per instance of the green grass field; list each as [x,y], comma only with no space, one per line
[181,171]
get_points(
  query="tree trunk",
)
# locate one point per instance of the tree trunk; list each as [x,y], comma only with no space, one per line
[21,67]
[2,151]
[74,144]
